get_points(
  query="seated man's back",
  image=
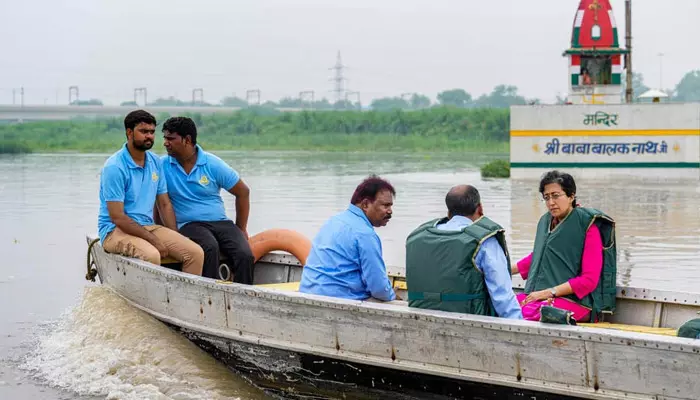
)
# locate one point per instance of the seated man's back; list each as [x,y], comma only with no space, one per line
[460,263]
[346,255]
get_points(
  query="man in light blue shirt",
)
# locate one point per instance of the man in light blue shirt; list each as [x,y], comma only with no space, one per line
[131,182]
[490,258]
[195,180]
[346,255]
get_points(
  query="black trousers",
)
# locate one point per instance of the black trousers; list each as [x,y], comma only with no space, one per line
[227,238]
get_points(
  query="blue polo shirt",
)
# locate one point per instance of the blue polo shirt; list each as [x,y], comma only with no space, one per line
[346,260]
[125,181]
[197,196]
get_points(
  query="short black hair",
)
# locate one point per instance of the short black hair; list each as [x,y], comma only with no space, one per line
[138,116]
[369,188]
[566,181]
[462,200]
[181,126]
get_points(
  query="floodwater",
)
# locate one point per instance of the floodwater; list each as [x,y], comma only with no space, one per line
[64,338]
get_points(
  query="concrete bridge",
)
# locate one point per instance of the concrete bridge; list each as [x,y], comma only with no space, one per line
[17,113]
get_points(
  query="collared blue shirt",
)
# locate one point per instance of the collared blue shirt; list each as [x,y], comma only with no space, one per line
[346,260]
[491,260]
[197,196]
[125,181]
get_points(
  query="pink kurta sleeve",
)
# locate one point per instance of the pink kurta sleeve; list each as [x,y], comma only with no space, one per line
[524,266]
[592,264]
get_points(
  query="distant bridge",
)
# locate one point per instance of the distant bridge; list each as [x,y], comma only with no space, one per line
[18,113]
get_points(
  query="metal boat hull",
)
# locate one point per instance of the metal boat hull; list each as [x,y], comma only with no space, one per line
[417,345]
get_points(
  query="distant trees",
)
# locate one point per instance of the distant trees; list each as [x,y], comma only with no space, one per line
[688,89]
[502,96]
[91,102]
[455,98]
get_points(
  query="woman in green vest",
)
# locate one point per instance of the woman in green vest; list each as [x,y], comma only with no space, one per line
[573,263]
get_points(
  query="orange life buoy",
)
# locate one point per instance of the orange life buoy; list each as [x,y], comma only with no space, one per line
[280,239]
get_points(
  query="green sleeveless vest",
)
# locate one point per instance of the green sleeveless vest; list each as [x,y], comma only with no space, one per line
[440,269]
[557,257]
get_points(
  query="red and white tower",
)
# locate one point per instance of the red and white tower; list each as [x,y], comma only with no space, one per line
[595,56]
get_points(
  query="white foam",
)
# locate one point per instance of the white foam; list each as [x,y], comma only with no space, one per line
[104,347]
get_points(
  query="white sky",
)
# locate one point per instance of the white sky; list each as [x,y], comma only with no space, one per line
[108,47]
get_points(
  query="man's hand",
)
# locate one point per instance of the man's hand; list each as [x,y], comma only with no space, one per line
[538,296]
[161,248]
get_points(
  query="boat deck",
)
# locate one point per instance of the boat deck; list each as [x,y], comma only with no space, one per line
[294,287]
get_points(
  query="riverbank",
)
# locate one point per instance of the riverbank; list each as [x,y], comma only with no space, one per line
[438,129]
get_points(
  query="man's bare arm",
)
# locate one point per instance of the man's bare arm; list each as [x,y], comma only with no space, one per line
[131,227]
[242,193]
[165,211]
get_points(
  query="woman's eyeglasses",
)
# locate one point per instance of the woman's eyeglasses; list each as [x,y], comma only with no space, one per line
[553,196]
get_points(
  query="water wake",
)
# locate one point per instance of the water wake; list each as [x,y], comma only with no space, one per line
[105,347]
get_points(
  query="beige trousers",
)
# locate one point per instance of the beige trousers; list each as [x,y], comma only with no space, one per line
[189,253]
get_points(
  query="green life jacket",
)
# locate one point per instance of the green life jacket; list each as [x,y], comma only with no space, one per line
[557,257]
[441,273]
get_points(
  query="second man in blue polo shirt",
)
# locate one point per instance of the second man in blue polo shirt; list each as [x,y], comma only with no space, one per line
[195,179]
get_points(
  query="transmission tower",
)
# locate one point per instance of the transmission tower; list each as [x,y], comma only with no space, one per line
[194,96]
[338,79]
[71,90]
[21,96]
[144,92]
[250,94]
[306,94]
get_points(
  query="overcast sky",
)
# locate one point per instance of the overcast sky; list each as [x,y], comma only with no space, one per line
[108,47]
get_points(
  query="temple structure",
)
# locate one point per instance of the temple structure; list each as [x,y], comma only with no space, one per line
[597,135]
[595,56]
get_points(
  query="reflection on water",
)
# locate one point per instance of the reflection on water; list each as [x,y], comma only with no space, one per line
[49,202]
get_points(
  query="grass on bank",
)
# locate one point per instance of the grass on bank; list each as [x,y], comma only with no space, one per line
[496,169]
[441,129]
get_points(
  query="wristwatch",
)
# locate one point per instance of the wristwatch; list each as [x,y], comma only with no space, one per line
[553,291]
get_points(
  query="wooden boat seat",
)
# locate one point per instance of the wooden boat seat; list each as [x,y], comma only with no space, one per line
[294,287]
[632,328]
[284,286]
[168,260]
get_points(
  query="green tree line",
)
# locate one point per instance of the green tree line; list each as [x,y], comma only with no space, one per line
[435,129]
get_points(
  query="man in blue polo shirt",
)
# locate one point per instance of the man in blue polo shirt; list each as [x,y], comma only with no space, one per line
[195,179]
[131,183]
[346,255]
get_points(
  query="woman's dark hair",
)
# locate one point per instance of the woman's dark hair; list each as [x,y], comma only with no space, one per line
[369,188]
[566,181]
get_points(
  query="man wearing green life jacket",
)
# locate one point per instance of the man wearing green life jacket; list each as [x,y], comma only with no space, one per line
[460,263]
[573,266]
